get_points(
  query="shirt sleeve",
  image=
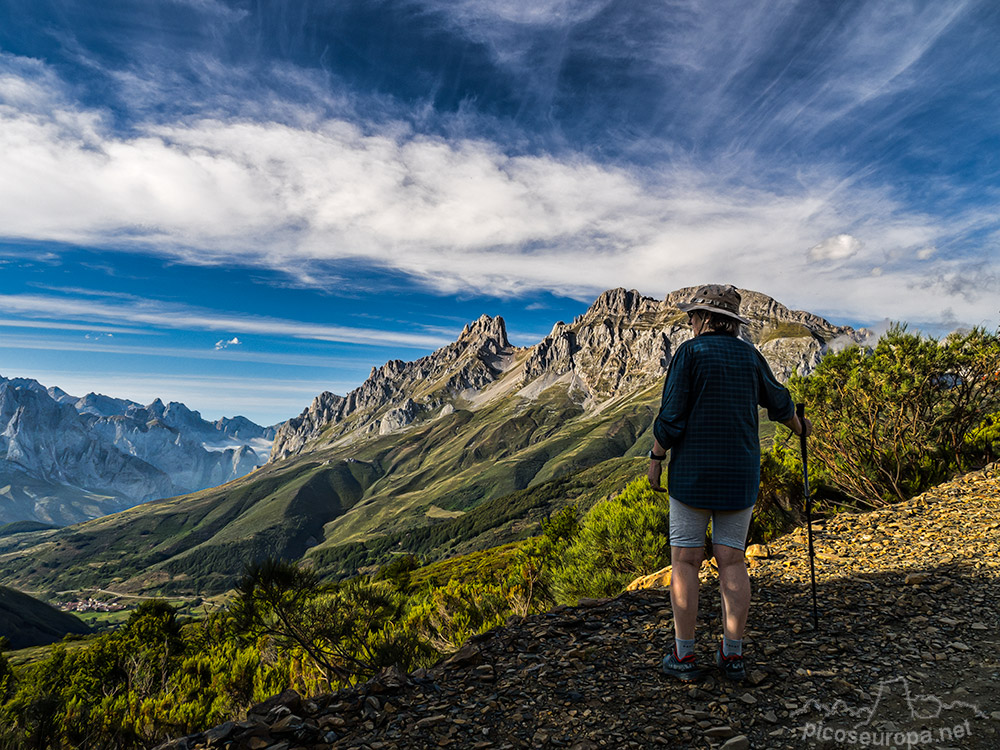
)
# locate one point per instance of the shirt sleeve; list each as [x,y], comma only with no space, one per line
[674,405]
[772,395]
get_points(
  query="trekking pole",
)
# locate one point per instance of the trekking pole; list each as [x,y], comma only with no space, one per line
[800,412]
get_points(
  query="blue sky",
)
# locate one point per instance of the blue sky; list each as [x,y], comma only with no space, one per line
[241,204]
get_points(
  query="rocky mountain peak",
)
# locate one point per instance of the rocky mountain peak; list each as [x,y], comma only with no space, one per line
[484,330]
[620,302]
[65,459]
[397,393]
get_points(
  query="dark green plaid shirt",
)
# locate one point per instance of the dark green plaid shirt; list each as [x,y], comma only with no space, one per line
[708,420]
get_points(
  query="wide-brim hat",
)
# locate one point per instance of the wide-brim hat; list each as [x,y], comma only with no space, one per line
[718,298]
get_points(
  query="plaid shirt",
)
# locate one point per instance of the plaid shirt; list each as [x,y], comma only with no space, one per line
[708,420]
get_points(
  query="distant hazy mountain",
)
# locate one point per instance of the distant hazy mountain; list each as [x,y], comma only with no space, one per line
[417,443]
[65,459]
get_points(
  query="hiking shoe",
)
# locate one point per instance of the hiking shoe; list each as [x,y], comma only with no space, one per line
[732,666]
[683,669]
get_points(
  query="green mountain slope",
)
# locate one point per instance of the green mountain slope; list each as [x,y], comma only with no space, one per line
[313,504]
[26,621]
[23,527]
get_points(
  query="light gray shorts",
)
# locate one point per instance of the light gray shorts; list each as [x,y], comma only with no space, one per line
[688,526]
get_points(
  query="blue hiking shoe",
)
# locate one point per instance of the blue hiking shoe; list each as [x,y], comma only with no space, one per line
[684,669]
[731,666]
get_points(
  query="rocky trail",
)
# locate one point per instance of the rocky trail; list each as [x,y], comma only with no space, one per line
[907,655]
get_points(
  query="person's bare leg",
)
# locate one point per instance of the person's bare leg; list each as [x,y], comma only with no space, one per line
[685,563]
[734,586]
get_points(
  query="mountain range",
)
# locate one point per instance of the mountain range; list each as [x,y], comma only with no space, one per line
[463,449]
[65,459]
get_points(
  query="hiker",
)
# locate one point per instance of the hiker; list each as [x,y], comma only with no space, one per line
[708,421]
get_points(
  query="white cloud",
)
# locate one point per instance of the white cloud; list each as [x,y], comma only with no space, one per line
[62,344]
[839,247]
[460,215]
[63,326]
[160,315]
[223,344]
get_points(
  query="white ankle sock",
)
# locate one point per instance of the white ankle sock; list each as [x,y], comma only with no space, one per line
[684,648]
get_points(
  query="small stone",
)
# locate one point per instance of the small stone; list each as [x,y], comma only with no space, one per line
[979,626]
[659,579]
[217,734]
[756,677]
[739,742]
[841,687]
[289,723]
[464,656]
[720,732]
[757,550]
[959,646]
[748,699]
[914,578]
[371,707]
[428,721]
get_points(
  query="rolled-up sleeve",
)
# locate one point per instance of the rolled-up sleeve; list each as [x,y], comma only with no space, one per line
[675,403]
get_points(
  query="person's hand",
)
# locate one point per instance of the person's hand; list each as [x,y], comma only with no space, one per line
[806,425]
[654,474]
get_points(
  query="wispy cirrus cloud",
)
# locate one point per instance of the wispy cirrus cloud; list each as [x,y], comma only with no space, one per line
[139,350]
[163,315]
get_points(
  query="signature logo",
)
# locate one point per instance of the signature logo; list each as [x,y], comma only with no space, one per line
[869,729]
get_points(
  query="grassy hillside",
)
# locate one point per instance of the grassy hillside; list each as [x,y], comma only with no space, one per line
[325,503]
[24,527]
[26,621]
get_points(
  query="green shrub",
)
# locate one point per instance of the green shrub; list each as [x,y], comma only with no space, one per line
[892,421]
[345,632]
[618,540]
[445,617]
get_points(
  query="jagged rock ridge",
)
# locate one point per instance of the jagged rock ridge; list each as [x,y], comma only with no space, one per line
[623,342]
[395,393]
